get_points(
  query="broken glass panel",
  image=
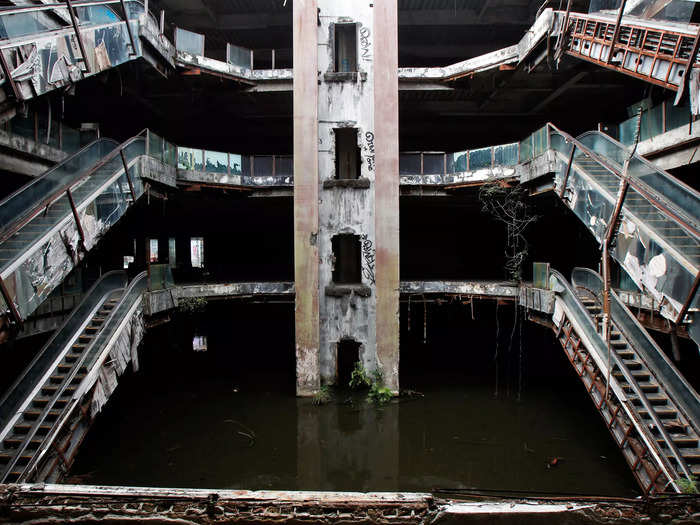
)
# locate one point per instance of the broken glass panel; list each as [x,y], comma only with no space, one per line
[235,163]
[238,56]
[216,162]
[189,159]
[189,42]
[479,158]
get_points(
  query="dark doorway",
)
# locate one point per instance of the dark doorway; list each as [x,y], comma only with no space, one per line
[348,353]
[346,251]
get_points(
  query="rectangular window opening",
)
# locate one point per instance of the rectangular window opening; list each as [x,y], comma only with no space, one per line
[345,48]
[153,250]
[172,260]
[347,255]
[197,252]
[347,154]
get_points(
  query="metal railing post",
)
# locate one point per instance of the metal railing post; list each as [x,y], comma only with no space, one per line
[78,224]
[128,176]
[74,20]
[128,27]
[568,171]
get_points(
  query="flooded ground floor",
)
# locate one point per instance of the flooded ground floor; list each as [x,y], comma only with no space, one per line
[511,416]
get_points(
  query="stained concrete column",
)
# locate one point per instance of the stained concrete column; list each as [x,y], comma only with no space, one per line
[386,118]
[306,195]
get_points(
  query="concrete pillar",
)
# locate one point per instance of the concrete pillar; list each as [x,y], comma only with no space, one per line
[386,111]
[344,74]
[306,195]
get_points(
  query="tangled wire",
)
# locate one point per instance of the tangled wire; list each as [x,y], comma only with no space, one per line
[507,205]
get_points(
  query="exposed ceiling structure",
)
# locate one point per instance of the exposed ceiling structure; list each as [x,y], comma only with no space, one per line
[501,105]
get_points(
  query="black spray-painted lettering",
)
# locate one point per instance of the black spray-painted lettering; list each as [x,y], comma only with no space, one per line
[365,44]
[368,258]
[369,139]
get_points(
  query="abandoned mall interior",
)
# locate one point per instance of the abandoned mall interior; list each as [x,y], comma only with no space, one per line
[396,261]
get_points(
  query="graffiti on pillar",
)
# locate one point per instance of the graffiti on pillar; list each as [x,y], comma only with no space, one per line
[368,258]
[365,44]
[369,148]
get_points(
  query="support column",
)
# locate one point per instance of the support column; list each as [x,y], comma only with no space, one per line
[386,118]
[306,195]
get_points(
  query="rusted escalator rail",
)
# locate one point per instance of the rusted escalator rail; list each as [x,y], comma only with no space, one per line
[587,352]
[666,391]
[656,52]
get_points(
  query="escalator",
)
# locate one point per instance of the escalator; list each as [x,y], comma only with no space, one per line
[670,396]
[38,413]
[656,234]
[48,225]
[651,413]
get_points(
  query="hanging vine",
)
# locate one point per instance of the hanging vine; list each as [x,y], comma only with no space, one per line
[507,205]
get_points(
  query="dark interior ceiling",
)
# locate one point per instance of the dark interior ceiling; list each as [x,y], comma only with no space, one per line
[493,107]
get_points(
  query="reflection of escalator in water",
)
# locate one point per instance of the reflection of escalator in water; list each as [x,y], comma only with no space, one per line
[48,224]
[35,413]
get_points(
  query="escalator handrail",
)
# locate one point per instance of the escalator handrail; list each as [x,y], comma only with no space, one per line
[602,350]
[646,186]
[652,196]
[57,332]
[43,447]
[15,226]
[688,399]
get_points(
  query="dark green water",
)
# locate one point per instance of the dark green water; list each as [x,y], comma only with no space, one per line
[227,418]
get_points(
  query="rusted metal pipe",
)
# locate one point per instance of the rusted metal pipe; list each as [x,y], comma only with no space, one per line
[10,303]
[8,75]
[616,33]
[691,295]
[128,176]
[78,224]
[688,69]
[76,28]
[568,171]
[128,28]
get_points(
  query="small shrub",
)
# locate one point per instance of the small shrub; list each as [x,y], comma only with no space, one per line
[689,485]
[323,396]
[359,378]
[191,304]
[380,394]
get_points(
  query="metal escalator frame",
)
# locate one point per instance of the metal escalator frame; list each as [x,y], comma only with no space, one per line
[79,393]
[66,382]
[648,191]
[579,24]
[14,227]
[58,330]
[596,345]
[654,198]
[691,409]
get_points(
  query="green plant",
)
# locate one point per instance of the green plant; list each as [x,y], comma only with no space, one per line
[359,378]
[689,485]
[191,304]
[380,394]
[323,396]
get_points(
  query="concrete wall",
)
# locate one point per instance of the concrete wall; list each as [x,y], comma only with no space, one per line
[346,101]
